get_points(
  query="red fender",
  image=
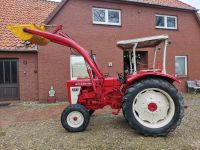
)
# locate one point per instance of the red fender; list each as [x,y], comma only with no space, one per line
[141,75]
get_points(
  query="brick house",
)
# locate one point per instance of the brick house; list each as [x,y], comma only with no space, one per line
[18,61]
[97,25]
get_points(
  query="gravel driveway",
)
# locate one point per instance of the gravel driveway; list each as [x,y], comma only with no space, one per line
[105,131]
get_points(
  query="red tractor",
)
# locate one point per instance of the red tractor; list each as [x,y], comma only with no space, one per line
[150,102]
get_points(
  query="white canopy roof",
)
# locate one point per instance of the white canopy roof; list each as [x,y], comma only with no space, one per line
[144,42]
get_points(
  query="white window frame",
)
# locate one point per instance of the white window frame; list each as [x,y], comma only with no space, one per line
[186,65]
[165,22]
[106,16]
[71,75]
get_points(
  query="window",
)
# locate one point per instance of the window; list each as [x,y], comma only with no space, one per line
[1,72]
[78,67]
[166,22]
[181,65]
[8,71]
[106,16]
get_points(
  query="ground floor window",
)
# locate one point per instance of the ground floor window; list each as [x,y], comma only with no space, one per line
[78,68]
[181,65]
[8,79]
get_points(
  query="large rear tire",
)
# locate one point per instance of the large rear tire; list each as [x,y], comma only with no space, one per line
[153,107]
[75,118]
[123,110]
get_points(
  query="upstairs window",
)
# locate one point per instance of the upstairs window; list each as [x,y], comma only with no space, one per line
[181,65]
[106,16]
[166,22]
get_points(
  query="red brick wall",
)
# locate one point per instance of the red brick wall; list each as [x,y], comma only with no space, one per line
[27,74]
[53,69]
[137,21]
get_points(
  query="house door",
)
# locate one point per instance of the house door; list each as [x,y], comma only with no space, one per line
[141,61]
[9,87]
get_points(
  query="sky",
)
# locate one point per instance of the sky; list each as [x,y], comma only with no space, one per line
[194,3]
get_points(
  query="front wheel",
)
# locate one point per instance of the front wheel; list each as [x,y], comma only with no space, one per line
[75,118]
[153,107]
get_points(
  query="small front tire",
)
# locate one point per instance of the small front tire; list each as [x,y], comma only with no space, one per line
[75,118]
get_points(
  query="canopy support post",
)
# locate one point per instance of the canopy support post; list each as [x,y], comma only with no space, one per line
[134,58]
[164,56]
[130,60]
[154,58]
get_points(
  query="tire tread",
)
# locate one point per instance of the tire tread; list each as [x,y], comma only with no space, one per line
[156,81]
[75,107]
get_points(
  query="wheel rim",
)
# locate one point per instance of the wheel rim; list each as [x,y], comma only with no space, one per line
[153,108]
[75,119]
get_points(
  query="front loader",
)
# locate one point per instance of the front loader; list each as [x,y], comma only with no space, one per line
[150,102]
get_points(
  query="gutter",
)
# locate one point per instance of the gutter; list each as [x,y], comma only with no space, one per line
[22,50]
[18,51]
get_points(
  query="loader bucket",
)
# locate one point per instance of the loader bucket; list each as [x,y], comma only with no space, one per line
[19,32]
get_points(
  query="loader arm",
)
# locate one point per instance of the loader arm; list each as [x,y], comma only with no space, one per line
[26,31]
[70,43]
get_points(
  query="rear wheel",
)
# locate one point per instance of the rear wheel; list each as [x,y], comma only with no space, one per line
[153,107]
[75,118]
[91,111]
[123,110]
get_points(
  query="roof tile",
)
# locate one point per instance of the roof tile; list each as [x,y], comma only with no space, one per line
[21,12]
[169,3]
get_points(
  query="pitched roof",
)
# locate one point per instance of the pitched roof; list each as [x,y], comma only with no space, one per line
[20,12]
